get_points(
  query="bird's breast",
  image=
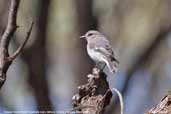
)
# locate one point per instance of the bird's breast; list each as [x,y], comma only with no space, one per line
[95,55]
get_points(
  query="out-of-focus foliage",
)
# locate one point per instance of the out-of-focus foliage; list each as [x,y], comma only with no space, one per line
[132,27]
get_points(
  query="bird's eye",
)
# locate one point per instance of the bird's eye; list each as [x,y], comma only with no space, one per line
[90,34]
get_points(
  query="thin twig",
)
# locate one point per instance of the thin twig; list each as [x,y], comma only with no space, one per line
[120,99]
[19,50]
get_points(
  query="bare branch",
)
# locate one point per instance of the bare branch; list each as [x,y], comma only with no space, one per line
[21,47]
[5,40]
[11,25]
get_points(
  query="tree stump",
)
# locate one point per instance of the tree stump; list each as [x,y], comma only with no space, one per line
[94,96]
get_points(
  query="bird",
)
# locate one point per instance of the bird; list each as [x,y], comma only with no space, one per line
[100,50]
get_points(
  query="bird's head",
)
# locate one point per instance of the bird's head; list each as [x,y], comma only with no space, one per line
[90,34]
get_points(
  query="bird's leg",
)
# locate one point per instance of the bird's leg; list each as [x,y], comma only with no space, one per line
[97,64]
[103,66]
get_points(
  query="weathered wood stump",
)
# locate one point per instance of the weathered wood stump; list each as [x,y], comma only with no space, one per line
[94,96]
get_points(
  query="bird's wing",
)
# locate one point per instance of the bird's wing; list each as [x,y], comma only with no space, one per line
[106,50]
[103,46]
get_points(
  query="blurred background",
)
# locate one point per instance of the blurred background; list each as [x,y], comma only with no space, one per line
[54,62]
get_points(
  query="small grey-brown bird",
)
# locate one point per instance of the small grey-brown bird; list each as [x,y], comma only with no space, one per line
[100,50]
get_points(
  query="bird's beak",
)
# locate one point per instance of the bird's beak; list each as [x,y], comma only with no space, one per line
[83,36]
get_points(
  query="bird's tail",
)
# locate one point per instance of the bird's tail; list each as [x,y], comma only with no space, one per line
[112,65]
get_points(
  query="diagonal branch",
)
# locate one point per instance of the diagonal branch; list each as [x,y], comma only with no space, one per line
[163,107]
[20,48]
